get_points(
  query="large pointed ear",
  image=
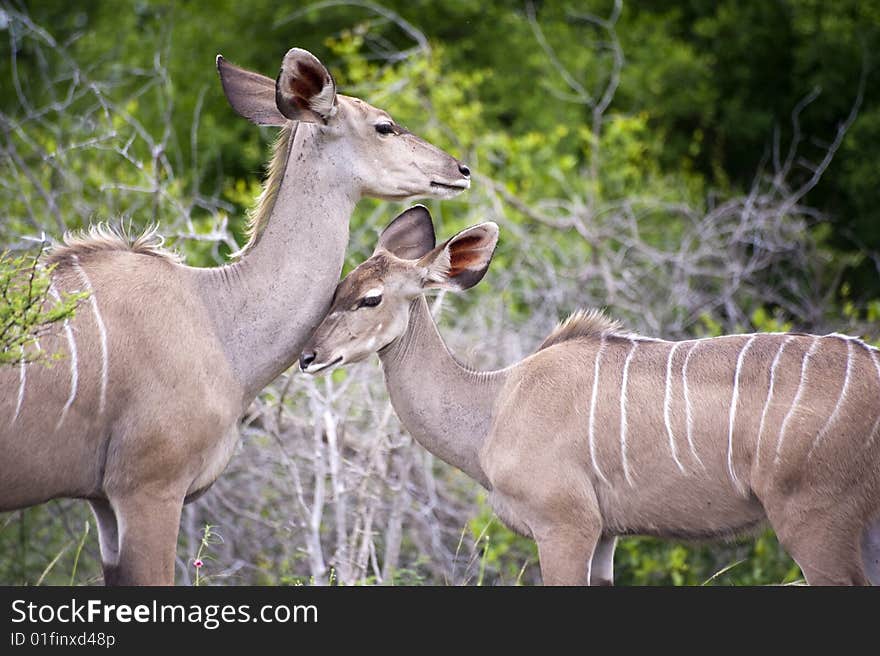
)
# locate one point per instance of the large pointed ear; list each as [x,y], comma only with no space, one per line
[461,262]
[251,95]
[410,235]
[305,90]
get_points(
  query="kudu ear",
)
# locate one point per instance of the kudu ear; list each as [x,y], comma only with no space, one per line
[305,90]
[461,262]
[410,235]
[251,95]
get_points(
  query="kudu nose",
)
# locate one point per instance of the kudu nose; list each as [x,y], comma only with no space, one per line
[305,359]
[464,170]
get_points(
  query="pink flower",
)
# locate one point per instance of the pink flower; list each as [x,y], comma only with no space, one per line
[198,563]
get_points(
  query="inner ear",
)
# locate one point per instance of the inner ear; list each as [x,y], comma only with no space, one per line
[304,89]
[468,252]
[462,261]
[410,235]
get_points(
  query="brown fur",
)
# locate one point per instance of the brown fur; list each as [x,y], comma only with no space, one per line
[140,412]
[603,433]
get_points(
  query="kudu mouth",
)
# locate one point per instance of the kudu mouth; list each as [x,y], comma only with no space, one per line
[448,187]
[309,366]
[446,190]
[458,186]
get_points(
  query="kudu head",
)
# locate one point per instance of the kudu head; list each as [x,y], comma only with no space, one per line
[385,160]
[371,306]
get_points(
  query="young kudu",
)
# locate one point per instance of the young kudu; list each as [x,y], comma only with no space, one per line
[162,359]
[603,433]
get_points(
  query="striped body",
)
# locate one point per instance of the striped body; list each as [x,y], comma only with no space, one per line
[602,432]
[106,406]
[65,420]
[697,438]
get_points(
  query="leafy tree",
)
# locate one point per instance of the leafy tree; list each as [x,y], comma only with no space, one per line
[26,310]
[685,204]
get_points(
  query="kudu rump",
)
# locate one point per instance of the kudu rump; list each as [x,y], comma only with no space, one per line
[603,432]
[162,359]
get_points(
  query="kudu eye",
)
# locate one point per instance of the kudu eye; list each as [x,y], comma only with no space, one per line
[370,301]
[385,128]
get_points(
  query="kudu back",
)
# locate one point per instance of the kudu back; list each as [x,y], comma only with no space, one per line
[161,360]
[603,432]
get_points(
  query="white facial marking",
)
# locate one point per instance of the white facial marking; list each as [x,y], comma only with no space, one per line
[74,365]
[623,426]
[689,419]
[773,366]
[592,423]
[102,332]
[667,403]
[733,403]
[373,293]
[840,399]
[797,399]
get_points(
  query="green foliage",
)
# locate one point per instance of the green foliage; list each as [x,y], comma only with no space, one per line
[147,136]
[26,312]
[758,561]
[210,538]
[511,559]
[504,557]
[52,544]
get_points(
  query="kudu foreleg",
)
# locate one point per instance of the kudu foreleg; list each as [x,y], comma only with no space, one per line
[870,549]
[566,552]
[602,562]
[148,526]
[826,548]
[108,538]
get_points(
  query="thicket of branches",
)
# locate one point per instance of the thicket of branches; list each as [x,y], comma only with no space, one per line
[326,486]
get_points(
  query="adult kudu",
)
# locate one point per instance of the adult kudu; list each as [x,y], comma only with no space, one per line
[162,359]
[603,432]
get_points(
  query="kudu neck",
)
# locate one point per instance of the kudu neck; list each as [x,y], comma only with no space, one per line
[446,407]
[266,305]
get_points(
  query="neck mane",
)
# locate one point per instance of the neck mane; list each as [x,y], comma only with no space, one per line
[259,215]
[265,306]
[446,407]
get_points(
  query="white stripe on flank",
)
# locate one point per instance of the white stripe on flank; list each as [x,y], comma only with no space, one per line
[733,403]
[873,433]
[22,379]
[769,397]
[873,353]
[797,398]
[687,404]
[102,332]
[592,423]
[74,365]
[840,399]
[667,402]
[623,426]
